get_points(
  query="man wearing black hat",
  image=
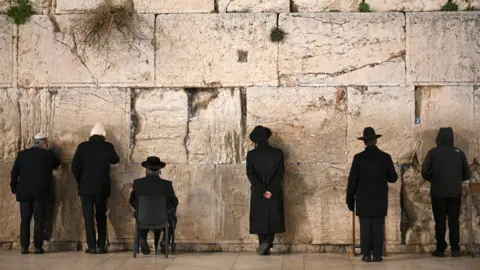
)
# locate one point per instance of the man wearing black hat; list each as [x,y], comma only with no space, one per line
[153,185]
[265,170]
[370,174]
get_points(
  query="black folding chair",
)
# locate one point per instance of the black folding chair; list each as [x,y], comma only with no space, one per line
[152,213]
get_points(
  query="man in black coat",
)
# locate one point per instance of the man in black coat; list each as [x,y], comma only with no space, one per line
[370,174]
[153,185]
[91,169]
[31,181]
[446,167]
[265,171]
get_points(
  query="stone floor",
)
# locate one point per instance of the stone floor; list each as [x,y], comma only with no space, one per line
[218,261]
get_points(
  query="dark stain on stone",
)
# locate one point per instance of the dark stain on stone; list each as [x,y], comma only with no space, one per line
[242,56]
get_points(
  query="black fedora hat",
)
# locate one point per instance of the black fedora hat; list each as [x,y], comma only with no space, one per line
[260,134]
[369,134]
[153,163]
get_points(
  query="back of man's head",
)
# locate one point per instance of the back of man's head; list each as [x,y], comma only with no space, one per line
[371,142]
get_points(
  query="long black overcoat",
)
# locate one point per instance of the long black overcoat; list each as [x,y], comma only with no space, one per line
[370,174]
[265,171]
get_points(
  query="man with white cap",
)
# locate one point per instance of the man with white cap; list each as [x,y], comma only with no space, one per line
[91,169]
[31,181]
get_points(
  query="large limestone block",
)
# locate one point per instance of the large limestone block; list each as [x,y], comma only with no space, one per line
[309,124]
[275,6]
[476,124]
[161,125]
[447,106]
[77,110]
[443,47]
[142,6]
[324,5]
[315,209]
[215,129]
[9,209]
[342,48]
[215,50]
[390,111]
[10,127]
[45,44]
[6,51]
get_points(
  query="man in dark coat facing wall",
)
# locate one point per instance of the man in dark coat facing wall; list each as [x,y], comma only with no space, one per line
[31,181]
[91,169]
[446,167]
[370,174]
[265,171]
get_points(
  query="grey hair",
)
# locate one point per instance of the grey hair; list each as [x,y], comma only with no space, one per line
[150,172]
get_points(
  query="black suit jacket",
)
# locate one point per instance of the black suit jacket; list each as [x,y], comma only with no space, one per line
[31,175]
[91,166]
[370,174]
[153,185]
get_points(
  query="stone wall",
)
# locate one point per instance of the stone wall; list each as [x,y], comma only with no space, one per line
[205,73]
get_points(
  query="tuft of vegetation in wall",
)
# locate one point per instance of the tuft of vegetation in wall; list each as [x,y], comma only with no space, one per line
[101,25]
[449,6]
[334,10]
[21,12]
[277,34]
[364,7]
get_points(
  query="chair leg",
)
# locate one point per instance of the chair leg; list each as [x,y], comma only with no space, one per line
[135,241]
[174,246]
[166,241]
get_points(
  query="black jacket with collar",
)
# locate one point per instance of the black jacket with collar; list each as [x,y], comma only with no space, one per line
[153,185]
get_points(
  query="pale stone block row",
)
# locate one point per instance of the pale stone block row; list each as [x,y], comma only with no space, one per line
[342,49]
[273,6]
[7,52]
[447,106]
[443,48]
[51,54]
[142,6]
[215,50]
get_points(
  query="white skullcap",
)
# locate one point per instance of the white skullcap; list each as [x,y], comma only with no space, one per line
[98,130]
[39,136]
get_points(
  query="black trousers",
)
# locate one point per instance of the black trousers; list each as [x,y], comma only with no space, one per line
[95,206]
[443,208]
[143,233]
[27,209]
[372,231]
[266,237]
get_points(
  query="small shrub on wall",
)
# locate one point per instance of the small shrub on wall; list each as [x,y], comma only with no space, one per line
[277,34]
[21,12]
[364,7]
[449,6]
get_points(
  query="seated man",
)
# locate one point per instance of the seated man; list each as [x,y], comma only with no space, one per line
[153,185]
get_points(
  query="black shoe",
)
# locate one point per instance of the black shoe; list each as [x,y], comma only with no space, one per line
[39,251]
[263,248]
[437,253]
[91,251]
[267,253]
[455,253]
[102,250]
[144,247]
[366,259]
[25,251]
[377,259]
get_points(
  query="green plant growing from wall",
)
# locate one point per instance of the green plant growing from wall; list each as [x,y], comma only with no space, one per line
[21,12]
[100,26]
[364,7]
[449,6]
[334,10]
[277,34]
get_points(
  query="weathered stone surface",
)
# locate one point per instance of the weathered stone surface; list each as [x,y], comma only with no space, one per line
[275,6]
[215,50]
[161,125]
[417,203]
[215,128]
[48,43]
[349,51]
[6,52]
[9,124]
[308,124]
[443,47]
[315,209]
[447,106]
[476,123]
[9,209]
[390,110]
[375,5]
[142,6]
[78,109]
[4,5]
